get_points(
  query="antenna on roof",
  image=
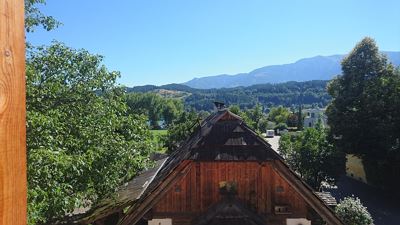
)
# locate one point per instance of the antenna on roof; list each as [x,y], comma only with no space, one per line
[219,105]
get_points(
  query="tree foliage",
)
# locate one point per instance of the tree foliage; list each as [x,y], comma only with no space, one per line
[279,114]
[235,109]
[352,212]
[263,124]
[292,120]
[253,117]
[82,143]
[360,111]
[300,119]
[34,17]
[155,107]
[311,155]
[180,129]
[364,113]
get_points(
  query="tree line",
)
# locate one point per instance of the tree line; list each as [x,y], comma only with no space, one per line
[287,94]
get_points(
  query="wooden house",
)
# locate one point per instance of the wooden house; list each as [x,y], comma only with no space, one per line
[223,174]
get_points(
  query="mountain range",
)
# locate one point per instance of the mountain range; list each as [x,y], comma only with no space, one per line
[314,68]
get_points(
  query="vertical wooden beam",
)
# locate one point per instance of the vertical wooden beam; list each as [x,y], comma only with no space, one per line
[12,114]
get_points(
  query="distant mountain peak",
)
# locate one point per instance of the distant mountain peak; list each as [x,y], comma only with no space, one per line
[313,68]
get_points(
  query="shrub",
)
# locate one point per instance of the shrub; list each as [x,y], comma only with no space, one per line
[352,212]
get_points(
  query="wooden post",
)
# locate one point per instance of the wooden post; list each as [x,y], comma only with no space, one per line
[12,114]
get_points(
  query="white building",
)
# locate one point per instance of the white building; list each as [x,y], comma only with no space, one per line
[312,116]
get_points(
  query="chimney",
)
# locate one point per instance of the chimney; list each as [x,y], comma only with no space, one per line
[219,105]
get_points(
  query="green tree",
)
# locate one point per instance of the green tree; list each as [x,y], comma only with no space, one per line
[81,142]
[281,126]
[300,119]
[311,155]
[263,124]
[34,17]
[358,107]
[352,212]
[254,116]
[155,107]
[278,114]
[235,109]
[292,120]
[172,108]
[148,104]
[180,129]
[363,115]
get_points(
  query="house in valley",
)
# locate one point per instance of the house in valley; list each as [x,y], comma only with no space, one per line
[313,116]
[223,174]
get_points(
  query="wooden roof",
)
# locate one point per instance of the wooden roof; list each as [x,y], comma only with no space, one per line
[327,198]
[222,136]
[230,139]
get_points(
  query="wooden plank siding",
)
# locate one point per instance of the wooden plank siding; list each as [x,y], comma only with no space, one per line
[163,187]
[256,187]
[12,113]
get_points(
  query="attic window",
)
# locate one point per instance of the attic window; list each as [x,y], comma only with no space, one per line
[228,187]
[235,141]
[238,129]
[178,189]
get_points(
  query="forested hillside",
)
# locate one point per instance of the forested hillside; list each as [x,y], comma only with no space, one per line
[287,94]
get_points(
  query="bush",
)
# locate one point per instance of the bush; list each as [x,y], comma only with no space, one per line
[311,155]
[281,126]
[352,212]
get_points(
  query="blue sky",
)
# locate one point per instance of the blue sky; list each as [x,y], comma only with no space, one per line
[173,41]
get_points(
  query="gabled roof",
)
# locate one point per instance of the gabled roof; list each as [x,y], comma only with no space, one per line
[226,137]
[222,136]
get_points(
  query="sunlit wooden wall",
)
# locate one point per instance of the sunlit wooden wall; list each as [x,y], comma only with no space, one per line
[12,114]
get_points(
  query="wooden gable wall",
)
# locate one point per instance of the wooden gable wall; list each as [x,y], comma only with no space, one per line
[258,186]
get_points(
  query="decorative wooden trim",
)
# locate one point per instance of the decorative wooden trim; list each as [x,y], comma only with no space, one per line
[13,196]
